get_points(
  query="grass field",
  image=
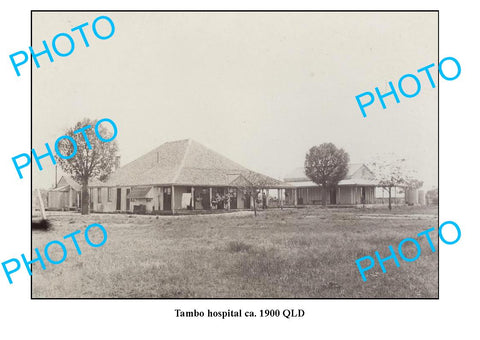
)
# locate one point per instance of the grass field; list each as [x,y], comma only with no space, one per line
[294,253]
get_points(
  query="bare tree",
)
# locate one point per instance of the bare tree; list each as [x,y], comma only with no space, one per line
[392,173]
[251,184]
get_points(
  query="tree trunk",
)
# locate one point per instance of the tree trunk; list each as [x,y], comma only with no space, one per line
[389,198]
[324,195]
[255,203]
[85,200]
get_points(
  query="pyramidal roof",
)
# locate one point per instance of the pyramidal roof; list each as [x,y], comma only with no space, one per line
[185,162]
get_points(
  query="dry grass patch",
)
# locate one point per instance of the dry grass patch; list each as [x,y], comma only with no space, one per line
[291,253]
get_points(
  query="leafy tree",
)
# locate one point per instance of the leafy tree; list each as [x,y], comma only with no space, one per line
[96,161]
[326,165]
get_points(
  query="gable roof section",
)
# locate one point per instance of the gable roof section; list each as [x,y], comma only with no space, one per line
[241,181]
[353,168]
[359,171]
[185,162]
[358,174]
[67,181]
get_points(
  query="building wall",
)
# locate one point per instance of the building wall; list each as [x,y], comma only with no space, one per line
[150,201]
[312,195]
[157,202]
[289,196]
[124,199]
[149,204]
[159,197]
[63,199]
[74,198]
[345,195]
[370,195]
[104,205]
[356,194]
[109,205]
[92,199]
[240,199]
[57,199]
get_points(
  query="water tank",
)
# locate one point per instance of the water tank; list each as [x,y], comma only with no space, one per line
[411,196]
[421,197]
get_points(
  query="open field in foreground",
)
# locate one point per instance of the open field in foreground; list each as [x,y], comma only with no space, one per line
[307,253]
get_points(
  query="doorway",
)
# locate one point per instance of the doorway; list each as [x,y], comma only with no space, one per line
[119,199]
[167,198]
[233,198]
[247,200]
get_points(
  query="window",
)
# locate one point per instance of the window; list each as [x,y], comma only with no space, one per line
[109,194]
[99,195]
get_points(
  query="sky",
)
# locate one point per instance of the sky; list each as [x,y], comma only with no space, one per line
[259,88]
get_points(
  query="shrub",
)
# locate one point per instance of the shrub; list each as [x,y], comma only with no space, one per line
[41,225]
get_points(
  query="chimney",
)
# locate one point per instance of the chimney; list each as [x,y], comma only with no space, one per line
[117,162]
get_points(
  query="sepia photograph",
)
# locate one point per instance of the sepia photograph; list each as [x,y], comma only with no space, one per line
[235,154]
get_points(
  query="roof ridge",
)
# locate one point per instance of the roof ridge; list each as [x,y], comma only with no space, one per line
[182,163]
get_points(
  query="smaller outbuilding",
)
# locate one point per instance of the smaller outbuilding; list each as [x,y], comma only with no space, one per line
[65,196]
